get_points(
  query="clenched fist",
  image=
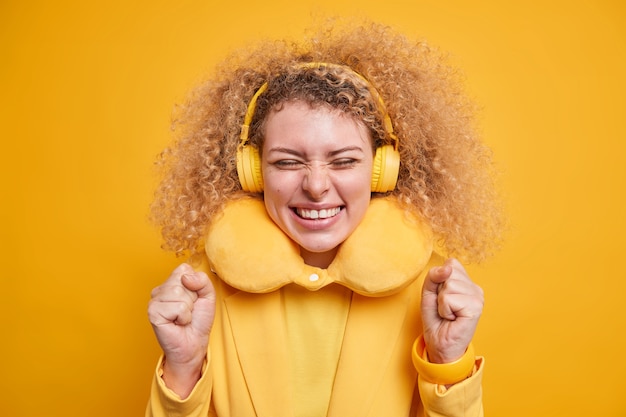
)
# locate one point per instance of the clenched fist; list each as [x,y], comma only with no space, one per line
[181,312]
[451,307]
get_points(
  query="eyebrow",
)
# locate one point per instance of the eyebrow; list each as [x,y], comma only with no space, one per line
[336,152]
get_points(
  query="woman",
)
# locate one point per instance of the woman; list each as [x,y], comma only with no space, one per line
[317,188]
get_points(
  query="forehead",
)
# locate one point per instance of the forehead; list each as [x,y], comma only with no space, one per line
[305,124]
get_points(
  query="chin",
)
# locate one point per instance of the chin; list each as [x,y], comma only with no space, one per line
[321,247]
[319,256]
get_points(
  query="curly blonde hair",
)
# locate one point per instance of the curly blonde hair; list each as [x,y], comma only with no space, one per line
[446,173]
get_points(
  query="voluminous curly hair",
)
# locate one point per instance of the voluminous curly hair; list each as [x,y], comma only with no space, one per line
[446,173]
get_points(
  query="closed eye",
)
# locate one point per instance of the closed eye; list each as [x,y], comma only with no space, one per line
[344,163]
[288,164]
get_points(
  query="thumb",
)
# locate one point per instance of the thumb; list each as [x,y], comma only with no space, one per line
[203,312]
[200,283]
[430,294]
[436,276]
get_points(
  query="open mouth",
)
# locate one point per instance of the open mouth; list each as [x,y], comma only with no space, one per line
[317,214]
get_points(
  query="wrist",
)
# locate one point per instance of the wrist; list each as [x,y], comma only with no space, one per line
[181,378]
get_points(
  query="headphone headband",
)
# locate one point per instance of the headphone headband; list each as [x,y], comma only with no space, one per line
[386,160]
[247,121]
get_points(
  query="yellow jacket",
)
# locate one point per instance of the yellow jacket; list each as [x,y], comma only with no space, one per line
[247,371]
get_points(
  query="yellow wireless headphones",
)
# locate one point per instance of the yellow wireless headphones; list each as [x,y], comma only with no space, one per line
[386,160]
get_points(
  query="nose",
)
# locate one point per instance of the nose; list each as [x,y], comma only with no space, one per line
[316,181]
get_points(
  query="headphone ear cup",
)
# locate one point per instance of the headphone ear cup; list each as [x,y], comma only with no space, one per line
[386,168]
[249,169]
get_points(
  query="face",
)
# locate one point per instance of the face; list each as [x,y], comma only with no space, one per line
[317,170]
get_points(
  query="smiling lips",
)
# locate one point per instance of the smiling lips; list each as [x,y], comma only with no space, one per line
[318,214]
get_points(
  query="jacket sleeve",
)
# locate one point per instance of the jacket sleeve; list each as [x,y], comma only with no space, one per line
[463,399]
[164,402]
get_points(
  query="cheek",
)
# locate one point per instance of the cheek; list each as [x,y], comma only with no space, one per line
[358,186]
[273,189]
[281,183]
[276,195]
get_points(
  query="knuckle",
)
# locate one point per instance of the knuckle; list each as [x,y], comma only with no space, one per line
[177,291]
[181,308]
[153,312]
[155,292]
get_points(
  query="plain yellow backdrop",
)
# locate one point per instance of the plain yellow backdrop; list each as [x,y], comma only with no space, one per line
[86,93]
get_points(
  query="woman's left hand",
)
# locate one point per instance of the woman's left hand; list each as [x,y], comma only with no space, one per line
[451,307]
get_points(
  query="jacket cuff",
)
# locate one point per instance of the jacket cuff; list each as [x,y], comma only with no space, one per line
[463,398]
[165,402]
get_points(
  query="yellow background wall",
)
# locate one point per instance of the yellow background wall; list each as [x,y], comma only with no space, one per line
[86,92]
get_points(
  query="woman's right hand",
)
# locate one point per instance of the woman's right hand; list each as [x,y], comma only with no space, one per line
[181,312]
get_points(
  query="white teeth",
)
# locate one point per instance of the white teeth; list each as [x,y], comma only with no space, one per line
[318,214]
